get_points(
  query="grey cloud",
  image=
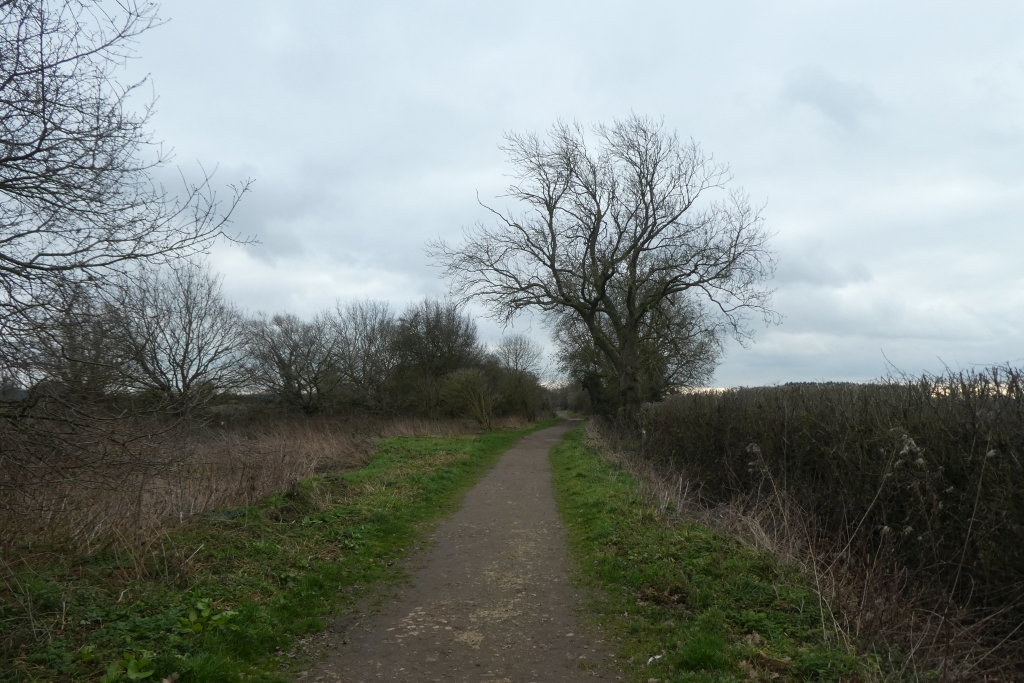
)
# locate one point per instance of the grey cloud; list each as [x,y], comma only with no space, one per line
[842,102]
[820,269]
[275,213]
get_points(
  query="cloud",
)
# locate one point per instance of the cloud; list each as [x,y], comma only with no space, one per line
[845,103]
[306,284]
[820,270]
[279,215]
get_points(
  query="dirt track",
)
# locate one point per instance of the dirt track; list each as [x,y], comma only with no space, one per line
[490,600]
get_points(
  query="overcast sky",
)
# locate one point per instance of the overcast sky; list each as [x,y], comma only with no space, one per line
[886,140]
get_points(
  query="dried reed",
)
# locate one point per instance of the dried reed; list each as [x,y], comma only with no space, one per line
[203,469]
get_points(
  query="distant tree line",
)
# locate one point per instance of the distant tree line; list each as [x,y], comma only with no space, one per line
[167,340]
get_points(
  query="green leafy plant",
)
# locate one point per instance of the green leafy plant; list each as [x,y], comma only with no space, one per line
[202,617]
[86,653]
[131,667]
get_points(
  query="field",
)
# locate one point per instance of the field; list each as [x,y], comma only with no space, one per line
[238,460]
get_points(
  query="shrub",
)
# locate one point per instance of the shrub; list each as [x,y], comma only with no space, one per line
[922,475]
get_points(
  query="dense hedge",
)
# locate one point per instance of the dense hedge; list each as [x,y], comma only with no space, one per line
[926,472]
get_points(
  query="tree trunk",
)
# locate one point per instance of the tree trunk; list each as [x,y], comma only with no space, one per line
[629,391]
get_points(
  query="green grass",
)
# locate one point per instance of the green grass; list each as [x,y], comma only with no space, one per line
[224,599]
[706,607]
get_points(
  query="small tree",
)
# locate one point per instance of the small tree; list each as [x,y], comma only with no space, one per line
[432,340]
[615,236]
[72,353]
[519,353]
[468,393]
[519,366]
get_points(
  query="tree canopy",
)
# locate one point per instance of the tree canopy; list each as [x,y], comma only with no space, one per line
[78,200]
[634,240]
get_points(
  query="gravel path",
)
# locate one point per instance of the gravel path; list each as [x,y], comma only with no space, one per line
[490,599]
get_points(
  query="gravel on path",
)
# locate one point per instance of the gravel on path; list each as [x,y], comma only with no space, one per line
[491,600]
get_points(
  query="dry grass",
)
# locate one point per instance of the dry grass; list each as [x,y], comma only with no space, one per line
[202,469]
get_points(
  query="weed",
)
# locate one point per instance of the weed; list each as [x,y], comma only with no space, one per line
[202,616]
[131,667]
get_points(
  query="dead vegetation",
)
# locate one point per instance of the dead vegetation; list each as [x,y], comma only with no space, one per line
[900,500]
[189,471]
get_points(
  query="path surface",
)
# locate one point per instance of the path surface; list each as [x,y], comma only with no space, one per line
[491,600]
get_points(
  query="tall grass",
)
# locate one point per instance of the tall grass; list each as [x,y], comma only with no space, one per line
[905,497]
[234,461]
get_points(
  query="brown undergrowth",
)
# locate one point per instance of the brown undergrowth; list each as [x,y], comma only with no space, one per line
[873,602]
[227,462]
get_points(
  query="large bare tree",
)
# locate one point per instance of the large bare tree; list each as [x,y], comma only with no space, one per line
[80,207]
[616,236]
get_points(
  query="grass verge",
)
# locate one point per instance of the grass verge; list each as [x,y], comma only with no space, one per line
[685,603]
[224,599]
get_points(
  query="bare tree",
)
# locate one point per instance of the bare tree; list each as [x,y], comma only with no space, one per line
[468,392]
[77,199]
[72,354]
[518,353]
[609,237]
[367,354]
[519,360]
[295,360]
[179,337]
